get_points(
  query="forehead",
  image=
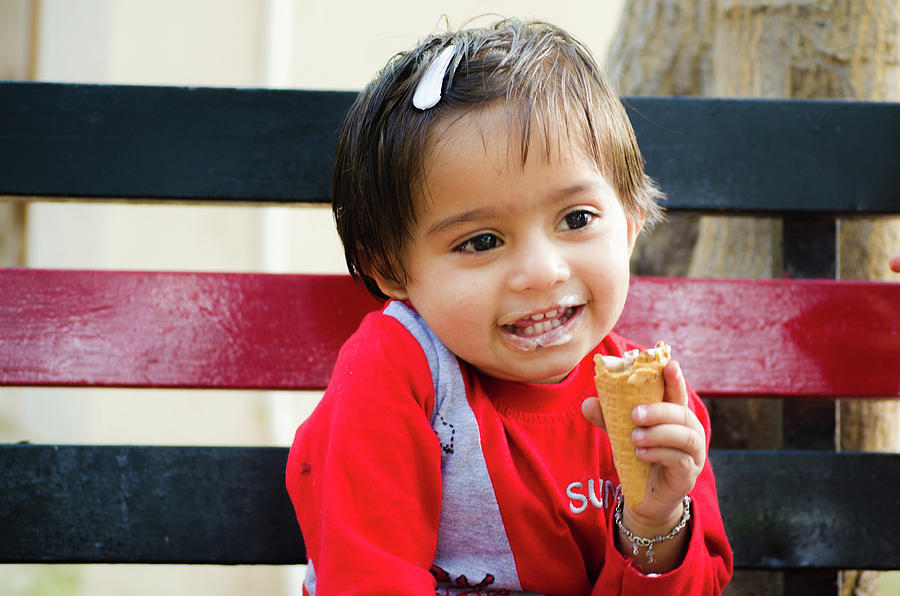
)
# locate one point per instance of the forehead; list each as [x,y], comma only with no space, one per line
[503,136]
[476,170]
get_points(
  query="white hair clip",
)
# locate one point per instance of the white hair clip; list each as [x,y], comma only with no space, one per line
[428,91]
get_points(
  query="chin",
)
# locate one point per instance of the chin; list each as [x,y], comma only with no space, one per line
[549,372]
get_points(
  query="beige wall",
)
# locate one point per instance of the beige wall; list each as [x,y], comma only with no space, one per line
[14,39]
[305,43]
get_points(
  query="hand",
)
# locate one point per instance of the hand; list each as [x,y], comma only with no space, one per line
[895,262]
[672,439]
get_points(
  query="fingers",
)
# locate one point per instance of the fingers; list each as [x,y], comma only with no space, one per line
[673,445]
[895,262]
[590,409]
[669,432]
[676,388]
[662,422]
[677,452]
[674,409]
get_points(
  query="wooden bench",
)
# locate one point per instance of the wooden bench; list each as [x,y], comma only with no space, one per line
[801,511]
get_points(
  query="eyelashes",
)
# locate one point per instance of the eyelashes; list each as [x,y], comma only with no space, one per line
[480,242]
[572,221]
[580,218]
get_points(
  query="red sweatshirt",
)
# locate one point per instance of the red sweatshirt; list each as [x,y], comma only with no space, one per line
[417,474]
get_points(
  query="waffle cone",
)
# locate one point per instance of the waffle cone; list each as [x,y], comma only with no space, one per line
[621,388]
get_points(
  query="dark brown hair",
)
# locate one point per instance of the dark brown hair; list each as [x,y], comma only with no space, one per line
[547,80]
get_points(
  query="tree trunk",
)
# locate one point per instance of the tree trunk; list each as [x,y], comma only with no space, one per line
[666,47]
[840,49]
[12,238]
[16,63]
[663,47]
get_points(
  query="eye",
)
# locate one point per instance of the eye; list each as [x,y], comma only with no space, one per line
[577,219]
[478,243]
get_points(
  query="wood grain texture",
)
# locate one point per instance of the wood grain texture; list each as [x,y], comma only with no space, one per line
[93,504]
[222,505]
[797,338]
[152,329]
[161,329]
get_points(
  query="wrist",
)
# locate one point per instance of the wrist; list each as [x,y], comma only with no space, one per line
[644,525]
[650,536]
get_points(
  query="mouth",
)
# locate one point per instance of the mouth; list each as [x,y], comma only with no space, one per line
[542,329]
[539,323]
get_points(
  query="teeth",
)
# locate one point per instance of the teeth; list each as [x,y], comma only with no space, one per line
[539,328]
[541,315]
[543,322]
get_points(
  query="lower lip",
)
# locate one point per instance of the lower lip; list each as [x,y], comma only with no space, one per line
[554,337]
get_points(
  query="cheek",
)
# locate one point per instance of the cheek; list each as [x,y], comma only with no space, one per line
[607,273]
[459,285]
[464,301]
[465,310]
[447,298]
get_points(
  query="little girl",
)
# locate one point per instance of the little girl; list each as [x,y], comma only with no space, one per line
[489,187]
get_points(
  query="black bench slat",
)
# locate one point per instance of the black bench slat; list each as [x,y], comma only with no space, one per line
[146,504]
[765,155]
[842,508]
[122,141]
[262,145]
[223,505]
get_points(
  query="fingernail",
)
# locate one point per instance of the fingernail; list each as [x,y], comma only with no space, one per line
[641,413]
[638,435]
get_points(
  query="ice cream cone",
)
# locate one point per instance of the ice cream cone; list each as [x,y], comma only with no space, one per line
[622,384]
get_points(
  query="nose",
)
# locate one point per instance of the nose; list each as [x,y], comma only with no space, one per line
[540,265]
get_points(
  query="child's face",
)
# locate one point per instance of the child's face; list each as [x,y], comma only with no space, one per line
[520,271]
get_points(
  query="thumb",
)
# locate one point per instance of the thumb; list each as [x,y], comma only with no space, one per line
[590,409]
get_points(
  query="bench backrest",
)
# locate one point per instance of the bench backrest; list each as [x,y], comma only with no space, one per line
[805,161]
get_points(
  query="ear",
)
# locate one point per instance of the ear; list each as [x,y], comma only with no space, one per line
[634,229]
[391,288]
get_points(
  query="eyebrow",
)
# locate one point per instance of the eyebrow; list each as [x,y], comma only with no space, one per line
[461,218]
[490,212]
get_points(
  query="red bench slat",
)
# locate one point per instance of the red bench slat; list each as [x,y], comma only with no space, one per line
[786,338]
[262,331]
[160,329]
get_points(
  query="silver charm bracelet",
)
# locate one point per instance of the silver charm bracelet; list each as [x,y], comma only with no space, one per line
[641,541]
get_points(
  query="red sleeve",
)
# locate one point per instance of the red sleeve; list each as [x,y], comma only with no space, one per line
[707,565]
[364,470]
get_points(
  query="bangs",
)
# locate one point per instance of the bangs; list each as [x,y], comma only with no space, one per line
[556,100]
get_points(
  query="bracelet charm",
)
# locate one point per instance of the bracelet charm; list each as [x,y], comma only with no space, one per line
[648,543]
